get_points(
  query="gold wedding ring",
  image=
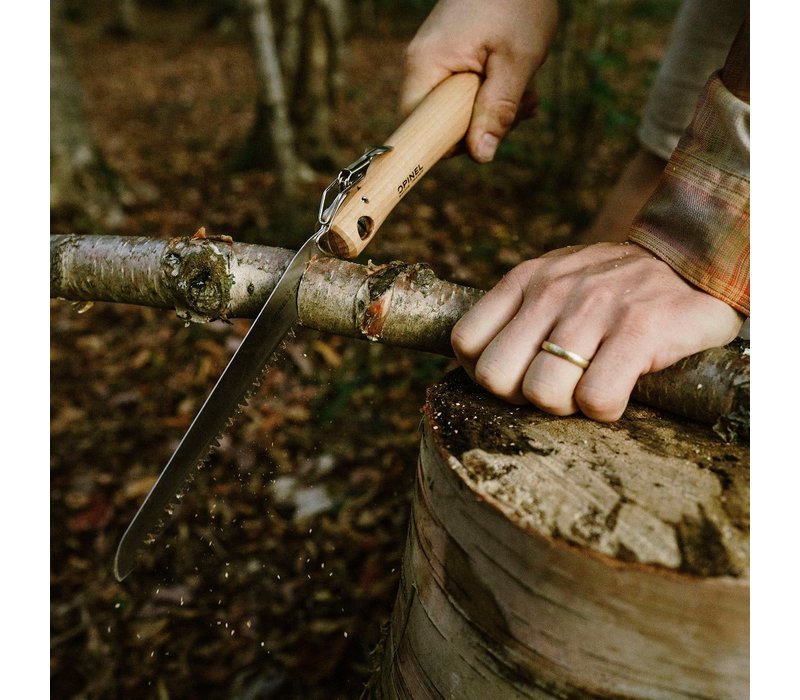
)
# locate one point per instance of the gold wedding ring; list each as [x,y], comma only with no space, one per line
[567,355]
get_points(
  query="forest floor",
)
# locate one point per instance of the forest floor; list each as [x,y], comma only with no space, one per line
[279,569]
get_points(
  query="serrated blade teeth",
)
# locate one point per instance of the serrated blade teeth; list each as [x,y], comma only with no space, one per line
[238,382]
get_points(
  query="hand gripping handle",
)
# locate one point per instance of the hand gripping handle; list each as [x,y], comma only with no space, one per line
[430,131]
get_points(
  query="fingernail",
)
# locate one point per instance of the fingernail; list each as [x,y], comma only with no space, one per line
[487,145]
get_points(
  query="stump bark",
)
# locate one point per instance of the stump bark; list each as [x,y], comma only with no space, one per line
[562,558]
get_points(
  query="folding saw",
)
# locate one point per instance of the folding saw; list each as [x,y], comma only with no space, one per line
[352,209]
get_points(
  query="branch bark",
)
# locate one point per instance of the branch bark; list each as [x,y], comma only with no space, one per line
[399,304]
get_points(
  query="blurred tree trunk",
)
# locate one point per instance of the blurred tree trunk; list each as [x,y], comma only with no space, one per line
[299,71]
[319,79]
[126,20]
[271,140]
[82,184]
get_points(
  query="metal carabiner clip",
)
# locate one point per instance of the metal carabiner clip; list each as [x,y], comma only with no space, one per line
[345,181]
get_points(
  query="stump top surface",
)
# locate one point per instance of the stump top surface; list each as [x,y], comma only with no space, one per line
[650,488]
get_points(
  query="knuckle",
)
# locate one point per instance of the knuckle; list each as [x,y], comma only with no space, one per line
[599,404]
[588,303]
[493,376]
[463,341]
[551,292]
[597,296]
[511,286]
[519,53]
[418,56]
[510,283]
[414,54]
[519,276]
[555,289]
[639,325]
[504,112]
[547,397]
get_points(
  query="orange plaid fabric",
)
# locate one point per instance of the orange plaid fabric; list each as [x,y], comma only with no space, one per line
[698,219]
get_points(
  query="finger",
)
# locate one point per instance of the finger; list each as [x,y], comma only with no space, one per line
[505,360]
[420,78]
[604,389]
[416,86]
[496,106]
[476,329]
[529,104]
[550,381]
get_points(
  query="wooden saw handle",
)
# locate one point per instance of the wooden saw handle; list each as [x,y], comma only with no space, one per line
[430,131]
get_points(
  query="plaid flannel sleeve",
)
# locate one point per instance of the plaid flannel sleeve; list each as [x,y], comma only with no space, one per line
[698,219]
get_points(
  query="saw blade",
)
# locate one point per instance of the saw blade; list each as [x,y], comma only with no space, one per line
[240,378]
[433,128]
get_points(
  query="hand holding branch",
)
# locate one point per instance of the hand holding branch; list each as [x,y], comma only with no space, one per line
[615,305]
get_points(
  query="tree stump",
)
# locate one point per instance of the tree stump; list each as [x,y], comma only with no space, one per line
[562,558]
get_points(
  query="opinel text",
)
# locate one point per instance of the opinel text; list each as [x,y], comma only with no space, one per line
[409,180]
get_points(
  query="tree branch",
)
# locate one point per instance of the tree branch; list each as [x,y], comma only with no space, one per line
[399,304]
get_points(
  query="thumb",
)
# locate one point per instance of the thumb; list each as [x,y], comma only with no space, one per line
[496,106]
